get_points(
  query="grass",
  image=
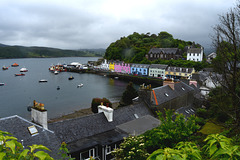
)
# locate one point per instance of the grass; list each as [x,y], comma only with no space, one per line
[211,128]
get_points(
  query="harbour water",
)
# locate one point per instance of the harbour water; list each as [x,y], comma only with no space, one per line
[19,91]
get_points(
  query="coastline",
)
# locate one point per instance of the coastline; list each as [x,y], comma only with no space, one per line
[79,113]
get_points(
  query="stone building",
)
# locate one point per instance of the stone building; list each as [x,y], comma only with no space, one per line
[164,53]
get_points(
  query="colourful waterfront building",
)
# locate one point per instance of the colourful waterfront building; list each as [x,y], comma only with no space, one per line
[140,69]
[111,65]
[179,72]
[157,70]
[122,67]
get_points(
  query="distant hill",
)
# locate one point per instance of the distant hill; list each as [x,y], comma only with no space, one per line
[7,51]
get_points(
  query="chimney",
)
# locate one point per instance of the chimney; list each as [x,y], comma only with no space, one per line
[193,82]
[39,114]
[170,83]
[108,112]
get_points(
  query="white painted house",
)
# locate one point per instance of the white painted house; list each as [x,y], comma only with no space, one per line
[104,65]
[195,54]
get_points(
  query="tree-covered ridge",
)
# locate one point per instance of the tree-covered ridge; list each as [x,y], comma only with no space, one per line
[134,47]
[37,52]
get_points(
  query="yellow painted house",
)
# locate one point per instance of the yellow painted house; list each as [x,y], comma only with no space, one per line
[179,72]
[111,65]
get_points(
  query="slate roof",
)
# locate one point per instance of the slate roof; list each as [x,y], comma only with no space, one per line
[104,138]
[140,65]
[163,50]
[194,50]
[140,125]
[166,93]
[186,111]
[83,127]
[158,66]
[179,69]
[18,126]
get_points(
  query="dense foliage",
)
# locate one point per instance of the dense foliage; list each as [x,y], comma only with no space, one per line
[134,47]
[39,52]
[10,148]
[217,147]
[97,101]
[169,133]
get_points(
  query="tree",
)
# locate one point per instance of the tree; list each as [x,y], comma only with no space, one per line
[129,94]
[227,43]
[170,131]
[97,101]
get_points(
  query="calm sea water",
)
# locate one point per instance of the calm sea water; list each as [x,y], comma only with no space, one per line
[20,91]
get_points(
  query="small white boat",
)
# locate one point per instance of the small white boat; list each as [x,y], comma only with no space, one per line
[80,85]
[56,72]
[2,84]
[42,80]
[23,70]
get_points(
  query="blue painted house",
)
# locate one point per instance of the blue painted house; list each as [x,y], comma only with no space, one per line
[140,69]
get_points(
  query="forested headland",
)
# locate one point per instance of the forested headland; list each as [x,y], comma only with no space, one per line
[133,48]
[44,52]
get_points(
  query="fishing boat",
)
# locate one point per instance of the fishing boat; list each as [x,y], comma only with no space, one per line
[80,85]
[20,74]
[5,68]
[71,78]
[15,65]
[23,70]
[2,84]
[42,80]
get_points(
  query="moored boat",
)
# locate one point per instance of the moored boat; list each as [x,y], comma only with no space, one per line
[56,72]
[15,65]
[20,74]
[5,68]
[80,85]
[42,80]
[23,70]
[71,78]
[2,84]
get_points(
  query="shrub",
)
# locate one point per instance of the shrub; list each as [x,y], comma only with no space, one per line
[97,101]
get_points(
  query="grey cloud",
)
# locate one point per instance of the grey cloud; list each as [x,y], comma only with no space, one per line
[89,24]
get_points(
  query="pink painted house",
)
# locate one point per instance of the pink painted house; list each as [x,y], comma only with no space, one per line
[122,67]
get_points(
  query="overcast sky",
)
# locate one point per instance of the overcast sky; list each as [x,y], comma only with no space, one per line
[78,24]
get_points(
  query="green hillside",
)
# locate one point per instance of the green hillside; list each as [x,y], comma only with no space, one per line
[134,47]
[36,52]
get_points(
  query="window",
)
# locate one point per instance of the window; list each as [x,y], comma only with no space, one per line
[108,150]
[151,55]
[87,154]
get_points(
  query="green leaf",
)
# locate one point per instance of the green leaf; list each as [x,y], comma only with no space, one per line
[11,144]
[2,154]
[36,146]
[24,153]
[42,155]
